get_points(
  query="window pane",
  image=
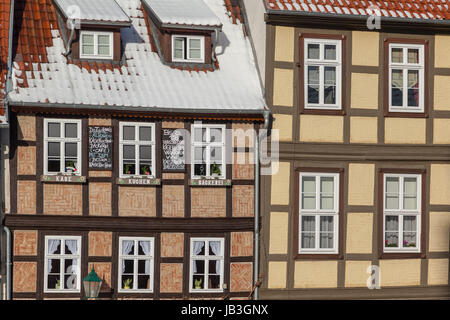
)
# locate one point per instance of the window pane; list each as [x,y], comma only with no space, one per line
[214,282]
[413,56]
[145,152]
[197,282]
[200,154]
[330,52]
[129,168]
[214,249]
[54,130]
[308,232]
[313,84]
[128,266]
[327,193]
[145,133]
[200,134]
[200,169]
[216,154]
[330,85]
[397,88]
[71,130]
[308,193]
[391,228]
[199,266]
[87,44]
[144,248]
[54,281]
[215,169]
[127,247]
[71,247]
[413,88]
[145,168]
[53,246]
[216,135]
[409,231]
[88,39]
[313,51]
[71,150]
[410,223]
[178,48]
[143,282]
[104,50]
[103,40]
[397,55]
[87,49]
[127,282]
[54,149]
[199,248]
[194,49]
[410,193]
[391,239]
[392,193]
[128,133]
[53,165]
[129,152]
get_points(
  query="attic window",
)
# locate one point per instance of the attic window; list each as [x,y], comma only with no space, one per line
[188,49]
[96,45]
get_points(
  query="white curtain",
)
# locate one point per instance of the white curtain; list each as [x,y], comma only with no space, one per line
[52,247]
[145,245]
[198,246]
[72,246]
[215,247]
[127,248]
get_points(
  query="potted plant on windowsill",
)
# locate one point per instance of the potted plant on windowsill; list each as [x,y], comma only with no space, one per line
[128,168]
[215,171]
[198,284]
[70,168]
[127,283]
[145,170]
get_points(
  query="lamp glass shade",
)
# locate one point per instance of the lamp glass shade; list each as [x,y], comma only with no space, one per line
[92,284]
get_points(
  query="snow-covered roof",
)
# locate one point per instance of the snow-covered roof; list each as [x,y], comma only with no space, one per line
[143,81]
[93,10]
[183,12]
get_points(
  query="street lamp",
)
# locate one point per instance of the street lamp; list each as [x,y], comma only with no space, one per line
[92,284]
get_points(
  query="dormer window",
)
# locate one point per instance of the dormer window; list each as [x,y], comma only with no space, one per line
[188,49]
[96,45]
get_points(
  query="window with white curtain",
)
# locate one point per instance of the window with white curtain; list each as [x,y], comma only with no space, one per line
[208,151]
[402,212]
[62,264]
[62,146]
[188,48]
[96,45]
[318,213]
[137,149]
[136,261]
[323,74]
[207,265]
[406,78]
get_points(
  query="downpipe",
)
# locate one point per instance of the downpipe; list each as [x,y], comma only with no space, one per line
[256,283]
[8,262]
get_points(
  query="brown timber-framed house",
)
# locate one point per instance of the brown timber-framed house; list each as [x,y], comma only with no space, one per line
[359,92]
[98,96]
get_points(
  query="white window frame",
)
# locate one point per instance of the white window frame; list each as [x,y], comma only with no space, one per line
[403,212]
[96,55]
[62,257]
[322,63]
[62,141]
[208,146]
[405,67]
[186,48]
[317,213]
[136,257]
[206,258]
[137,143]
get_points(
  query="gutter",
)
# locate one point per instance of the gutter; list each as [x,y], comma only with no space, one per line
[139,109]
[8,262]
[256,283]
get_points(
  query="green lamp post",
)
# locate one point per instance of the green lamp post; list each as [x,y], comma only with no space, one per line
[92,284]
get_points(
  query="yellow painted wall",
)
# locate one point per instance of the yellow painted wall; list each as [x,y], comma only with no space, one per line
[365,48]
[437,272]
[361,184]
[441,131]
[315,274]
[442,51]
[364,88]
[277,275]
[441,93]
[283,123]
[356,273]
[440,184]
[284,44]
[405,131]
[404,272]
[283,87]
[280,183]
[279,225]
[318,128]
[439,231]
[359,232]
[363,130]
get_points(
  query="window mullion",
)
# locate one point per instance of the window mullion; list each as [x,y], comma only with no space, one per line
[321,84]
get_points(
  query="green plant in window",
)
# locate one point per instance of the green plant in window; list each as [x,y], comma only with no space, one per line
[127,283]
[198,283]
[215,169]
[145,170]
[70,166]
[58,284]
[128,168]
